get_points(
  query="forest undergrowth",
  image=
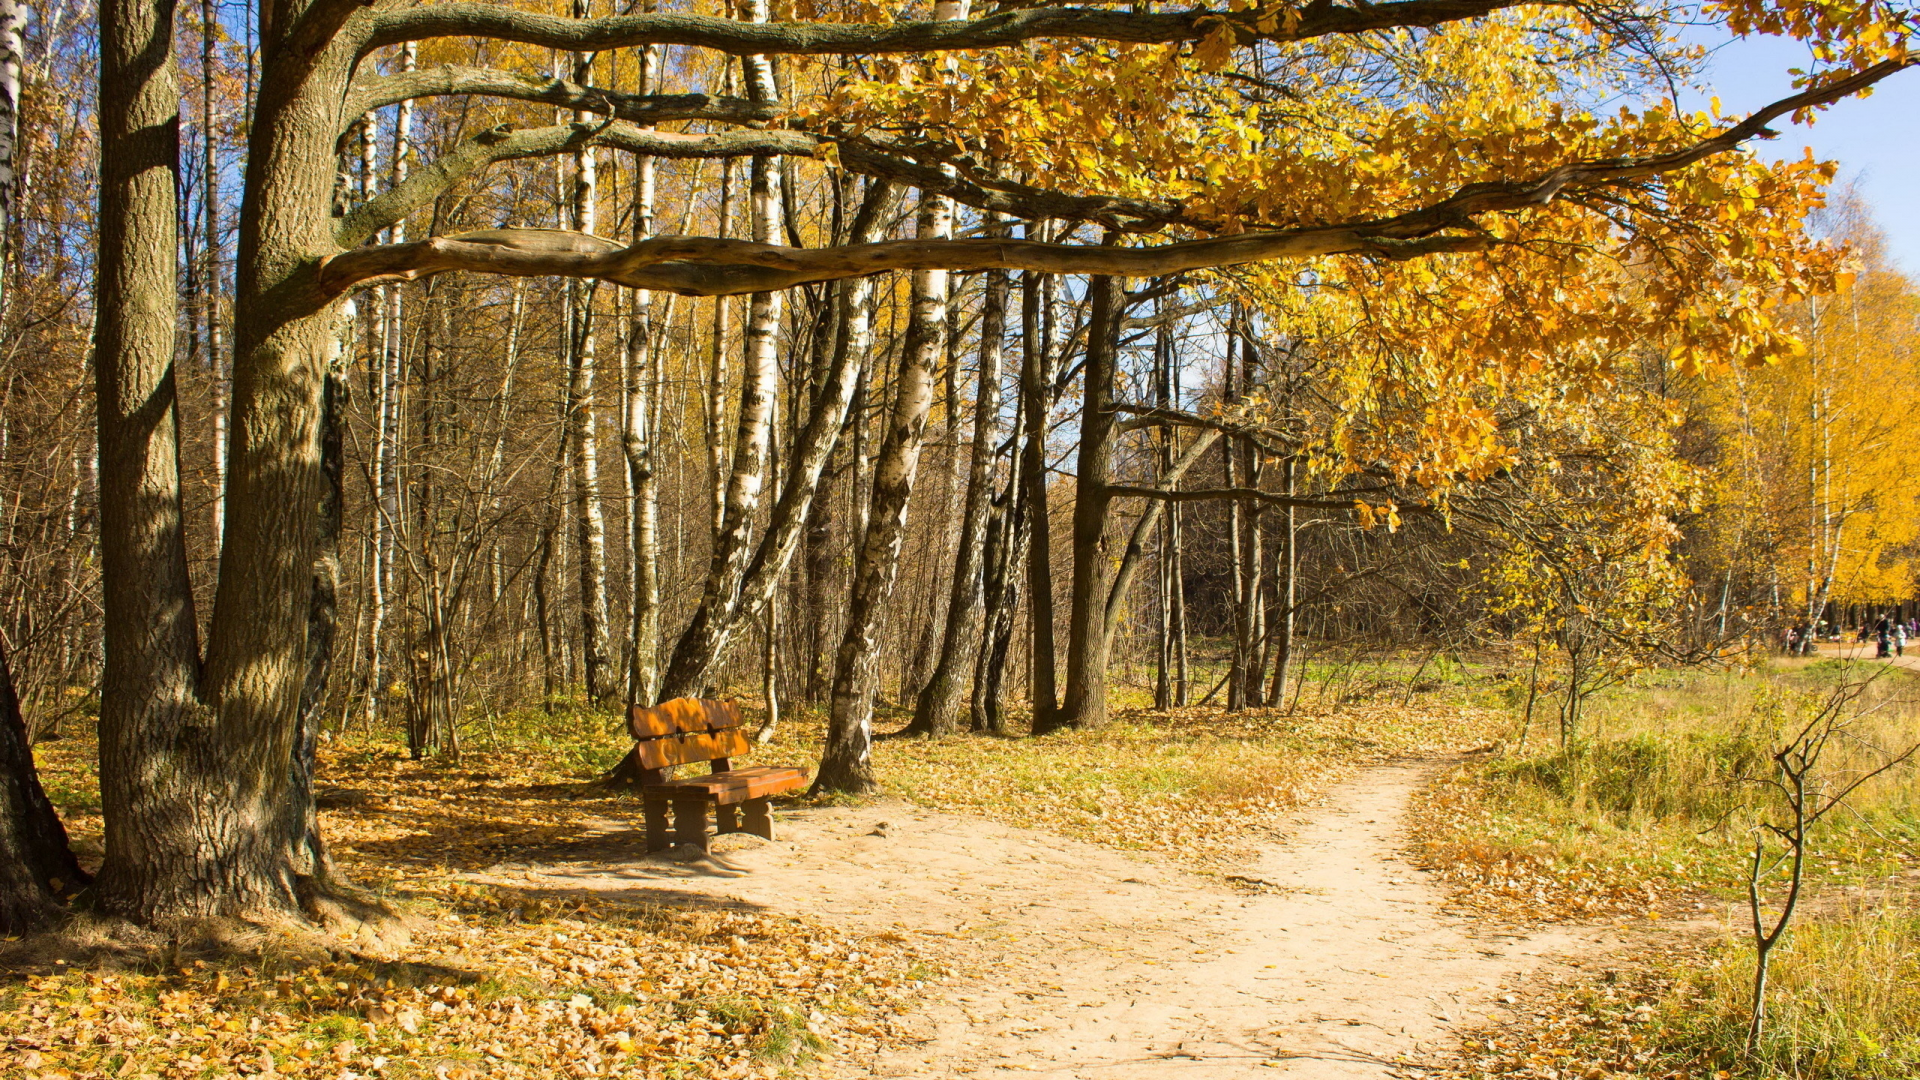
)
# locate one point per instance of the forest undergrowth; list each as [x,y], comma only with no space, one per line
[529,982]
[1645,820]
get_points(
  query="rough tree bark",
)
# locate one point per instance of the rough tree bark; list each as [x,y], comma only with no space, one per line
[1085,703]
[938,710]
[159,770]
[37,867]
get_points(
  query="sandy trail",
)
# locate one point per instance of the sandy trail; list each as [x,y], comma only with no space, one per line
[1081,961]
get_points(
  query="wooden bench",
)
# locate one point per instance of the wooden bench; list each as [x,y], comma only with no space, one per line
[687,731]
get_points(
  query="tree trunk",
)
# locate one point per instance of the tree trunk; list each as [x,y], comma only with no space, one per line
[13,22]
[1288,560]
[583,420]
[307,852]
[1036,378]
[1149,519]
[643,668]
[210,272]
[938,710]
[1085,702]
[845,763]
[385,466]
[157,759]
[37,868]
[1005,549]
[701,644]
[718,459]
[741,596]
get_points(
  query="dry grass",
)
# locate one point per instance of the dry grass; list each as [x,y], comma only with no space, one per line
[1654,808]
[1198,784]
[1652,814]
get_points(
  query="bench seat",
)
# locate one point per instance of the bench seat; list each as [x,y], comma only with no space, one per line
[740,785]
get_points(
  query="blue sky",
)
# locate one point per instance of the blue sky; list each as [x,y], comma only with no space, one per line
[1875,140]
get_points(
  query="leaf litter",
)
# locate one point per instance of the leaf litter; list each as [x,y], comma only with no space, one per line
[534,981]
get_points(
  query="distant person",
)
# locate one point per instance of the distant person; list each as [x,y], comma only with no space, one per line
[1900,639]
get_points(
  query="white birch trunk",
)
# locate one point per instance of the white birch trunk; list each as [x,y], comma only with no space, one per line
[846,763]
[643,669]
[582,417]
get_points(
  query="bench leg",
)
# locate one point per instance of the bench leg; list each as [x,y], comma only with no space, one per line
[726,819]
[759,818]
[656,813]
[690,820]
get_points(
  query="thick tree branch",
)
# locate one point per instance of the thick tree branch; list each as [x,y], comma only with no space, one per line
[504,23]
[710,267]
[507,144]
[643,109]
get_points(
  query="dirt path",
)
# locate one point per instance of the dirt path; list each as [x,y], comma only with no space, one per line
[1081,961]
[1864,650]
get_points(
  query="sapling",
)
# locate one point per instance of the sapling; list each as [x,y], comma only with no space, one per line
[1807,793]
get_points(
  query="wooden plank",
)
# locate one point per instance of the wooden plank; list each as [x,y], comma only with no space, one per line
[682,716]
[759,819]
[657,818]
[690,749]
[721,714]
[741,785]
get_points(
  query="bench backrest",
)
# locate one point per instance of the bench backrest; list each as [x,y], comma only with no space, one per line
[685,731]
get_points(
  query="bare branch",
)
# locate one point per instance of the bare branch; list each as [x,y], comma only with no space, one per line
[643,109]
[1268,497]
[505,144]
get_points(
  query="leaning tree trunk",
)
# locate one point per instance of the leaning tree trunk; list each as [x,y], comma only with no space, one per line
[1085,702]
[37,867]
[938,710]
[705,637]
[714,623]
[846,763]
